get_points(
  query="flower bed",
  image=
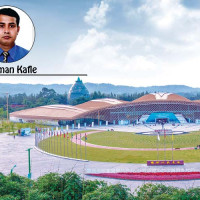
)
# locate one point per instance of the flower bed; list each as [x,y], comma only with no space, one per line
[151,176]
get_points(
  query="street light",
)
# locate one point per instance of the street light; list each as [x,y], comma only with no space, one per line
[29,162]
[11,171]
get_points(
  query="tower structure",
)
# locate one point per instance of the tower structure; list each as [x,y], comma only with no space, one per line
[77,91]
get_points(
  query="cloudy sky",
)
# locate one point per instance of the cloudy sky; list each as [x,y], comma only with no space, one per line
[122,42]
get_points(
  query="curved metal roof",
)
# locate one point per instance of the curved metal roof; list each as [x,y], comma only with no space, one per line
[99,103]
[161,97]
[66,112]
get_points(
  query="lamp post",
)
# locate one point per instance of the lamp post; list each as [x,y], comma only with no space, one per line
[29,162]
[11,171]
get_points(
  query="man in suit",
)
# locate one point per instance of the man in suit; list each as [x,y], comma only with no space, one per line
[9,29]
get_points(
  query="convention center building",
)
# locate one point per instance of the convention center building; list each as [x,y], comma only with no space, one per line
[150,108]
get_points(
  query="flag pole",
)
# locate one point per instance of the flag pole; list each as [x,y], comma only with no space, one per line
[80,148]
[67,145]
[165,143]
[71,144]
[85,147]
[76,145]
[60,143]
[51,148]
[57,141]
[157,146]
[172,146]
[64,142]
[54,142]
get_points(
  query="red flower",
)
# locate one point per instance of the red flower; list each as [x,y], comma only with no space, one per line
[151,176]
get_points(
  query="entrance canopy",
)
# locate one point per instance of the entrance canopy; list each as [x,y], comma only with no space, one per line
[168,117]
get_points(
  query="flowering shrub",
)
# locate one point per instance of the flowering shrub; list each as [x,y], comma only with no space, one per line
[151,176]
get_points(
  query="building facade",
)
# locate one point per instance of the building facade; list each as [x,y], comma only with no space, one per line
[150,108]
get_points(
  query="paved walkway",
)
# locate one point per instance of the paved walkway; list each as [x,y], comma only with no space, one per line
[13,152]
[79,136]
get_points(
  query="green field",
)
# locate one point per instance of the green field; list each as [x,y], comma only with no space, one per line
[61,146]
[131,140]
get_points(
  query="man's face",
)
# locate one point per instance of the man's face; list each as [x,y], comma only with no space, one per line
[8,31]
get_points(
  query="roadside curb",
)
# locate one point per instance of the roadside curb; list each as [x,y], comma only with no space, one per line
[57,156]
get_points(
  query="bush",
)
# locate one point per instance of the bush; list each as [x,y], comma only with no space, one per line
[35,194]
[8,197]
[73,186]
[14,189]
[50,184]
[152,192]
[90,186]
[14,185]
[114,192]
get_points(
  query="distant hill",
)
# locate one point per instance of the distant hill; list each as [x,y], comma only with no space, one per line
[102,87]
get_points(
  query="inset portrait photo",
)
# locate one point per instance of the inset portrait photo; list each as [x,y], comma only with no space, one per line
[17,34]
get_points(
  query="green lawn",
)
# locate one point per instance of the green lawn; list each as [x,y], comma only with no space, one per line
[61,146]
[131,140]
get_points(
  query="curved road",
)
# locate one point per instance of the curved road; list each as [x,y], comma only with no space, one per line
[13,152]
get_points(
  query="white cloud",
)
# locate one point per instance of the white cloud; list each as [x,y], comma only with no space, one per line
[96,16]
[162,13]
[164,49]
[167,19]
[105,60]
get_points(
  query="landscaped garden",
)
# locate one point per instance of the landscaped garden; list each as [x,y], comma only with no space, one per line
[63,146]
[131,140]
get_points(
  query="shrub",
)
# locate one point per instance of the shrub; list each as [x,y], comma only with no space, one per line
[114,192]
[73,186]
[50,184]
[152,191]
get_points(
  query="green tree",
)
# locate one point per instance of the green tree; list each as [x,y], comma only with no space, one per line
[80,100]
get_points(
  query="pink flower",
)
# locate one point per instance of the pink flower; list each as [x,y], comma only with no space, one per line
[151,176]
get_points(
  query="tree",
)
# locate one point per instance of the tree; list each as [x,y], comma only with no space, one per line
[47,93]
[3,113]
[80,100]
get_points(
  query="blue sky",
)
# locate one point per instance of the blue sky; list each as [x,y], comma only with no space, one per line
[122,42]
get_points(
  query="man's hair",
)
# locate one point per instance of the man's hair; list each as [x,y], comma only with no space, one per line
[10,12]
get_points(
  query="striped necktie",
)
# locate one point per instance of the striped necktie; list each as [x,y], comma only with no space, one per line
[5,56]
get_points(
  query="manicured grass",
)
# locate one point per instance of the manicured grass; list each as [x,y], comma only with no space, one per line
[131,140]
[60,146]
